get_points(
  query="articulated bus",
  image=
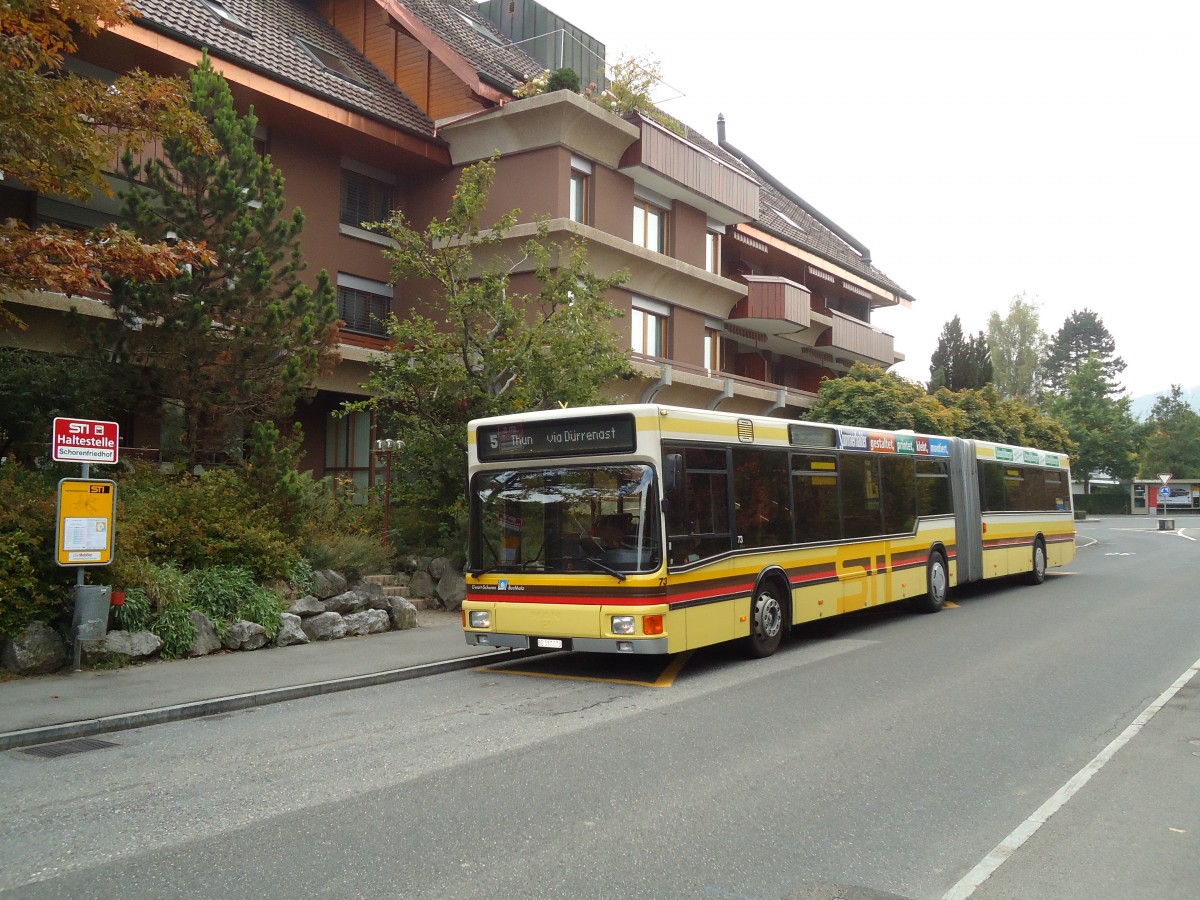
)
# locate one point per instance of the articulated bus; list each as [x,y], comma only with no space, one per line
[655,529]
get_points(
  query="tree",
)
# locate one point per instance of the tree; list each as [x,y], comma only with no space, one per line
[241,339]
[1101,426]
[1172,440]
[470,347]
[959,362]
[869,397]
[1018,347]
[1082,337]
[58,133]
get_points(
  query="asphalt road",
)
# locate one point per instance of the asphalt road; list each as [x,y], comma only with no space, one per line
[885,754]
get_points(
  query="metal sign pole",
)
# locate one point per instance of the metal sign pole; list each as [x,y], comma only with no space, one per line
[80,573]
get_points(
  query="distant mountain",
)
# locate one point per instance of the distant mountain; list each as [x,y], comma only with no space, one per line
[1141,406]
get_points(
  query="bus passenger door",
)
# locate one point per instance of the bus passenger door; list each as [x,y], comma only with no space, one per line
[854,578]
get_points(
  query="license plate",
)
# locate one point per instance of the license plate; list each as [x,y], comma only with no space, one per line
[550,643]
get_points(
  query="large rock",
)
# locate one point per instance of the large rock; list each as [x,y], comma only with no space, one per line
[452,589]
[290,631]
[243,635]
[372,596]
[369,621]
[422,586]
[134,644]
[404,614]
[306,606]
[437,567]
[37,650]
[207,640]
[327,583]
[328,626]
[344,603]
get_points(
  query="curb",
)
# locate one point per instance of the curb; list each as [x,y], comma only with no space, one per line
[125,721]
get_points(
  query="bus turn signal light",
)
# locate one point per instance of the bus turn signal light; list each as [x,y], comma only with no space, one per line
[652,624]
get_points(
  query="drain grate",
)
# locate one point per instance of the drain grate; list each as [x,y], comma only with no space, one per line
[65,748]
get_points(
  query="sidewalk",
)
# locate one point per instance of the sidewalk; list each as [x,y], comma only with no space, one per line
[46,708]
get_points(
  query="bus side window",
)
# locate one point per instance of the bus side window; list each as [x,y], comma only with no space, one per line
[698,516]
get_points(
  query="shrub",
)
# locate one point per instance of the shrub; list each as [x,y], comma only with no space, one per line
[201,521]
[32,587]
[565,79]
[353,555]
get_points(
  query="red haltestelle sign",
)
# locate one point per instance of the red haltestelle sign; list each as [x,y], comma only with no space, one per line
[84,441]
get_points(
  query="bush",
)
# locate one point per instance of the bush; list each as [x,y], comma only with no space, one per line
[565,79]
[32,587]
[201,521]
[353,555]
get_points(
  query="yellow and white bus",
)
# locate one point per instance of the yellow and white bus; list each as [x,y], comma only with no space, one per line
[656,529]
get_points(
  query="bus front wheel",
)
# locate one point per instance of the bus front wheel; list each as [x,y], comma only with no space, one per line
[937,579]
[766,621]
[1038,573]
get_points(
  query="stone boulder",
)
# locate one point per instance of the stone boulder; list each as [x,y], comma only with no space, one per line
[37,650]
[328,626]
[306,606]
[327,583]
[452,589]
[290,631]
[404,614]
[134,644]
[243,635]
[344,603]
[207,640]
[372,596]
[437,567]
[369,621]
[422,586]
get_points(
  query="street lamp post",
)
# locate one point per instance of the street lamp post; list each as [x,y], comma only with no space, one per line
[386,447]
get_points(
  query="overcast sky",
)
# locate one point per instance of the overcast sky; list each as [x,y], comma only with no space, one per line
[981,150]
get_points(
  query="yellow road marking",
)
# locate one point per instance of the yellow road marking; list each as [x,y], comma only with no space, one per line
[667,678]
[950,604]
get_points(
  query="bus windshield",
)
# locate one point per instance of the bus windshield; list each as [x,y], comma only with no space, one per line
[566,519]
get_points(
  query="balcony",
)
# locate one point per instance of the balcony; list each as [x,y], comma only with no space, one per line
[773,306]
[858,339]
[676,168]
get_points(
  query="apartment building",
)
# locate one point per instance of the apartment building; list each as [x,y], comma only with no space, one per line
[740,296]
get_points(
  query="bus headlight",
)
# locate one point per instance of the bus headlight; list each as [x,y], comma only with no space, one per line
[480,618]
[623,624]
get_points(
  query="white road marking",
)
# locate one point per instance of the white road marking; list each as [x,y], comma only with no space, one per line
[1023,832]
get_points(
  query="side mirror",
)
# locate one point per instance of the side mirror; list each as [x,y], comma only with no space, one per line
[672,473]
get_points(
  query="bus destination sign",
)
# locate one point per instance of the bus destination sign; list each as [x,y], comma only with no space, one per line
[564,437]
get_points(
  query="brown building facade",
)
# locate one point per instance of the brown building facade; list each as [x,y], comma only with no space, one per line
[740,296]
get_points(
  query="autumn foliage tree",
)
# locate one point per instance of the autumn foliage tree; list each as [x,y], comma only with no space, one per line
[59,132]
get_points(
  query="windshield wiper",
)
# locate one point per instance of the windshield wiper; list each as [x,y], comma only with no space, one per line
[620,576]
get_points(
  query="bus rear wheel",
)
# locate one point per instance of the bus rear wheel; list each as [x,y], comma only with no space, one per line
[766,621]
[937,582]
[1037,574]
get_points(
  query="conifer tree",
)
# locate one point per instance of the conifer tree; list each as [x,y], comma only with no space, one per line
[1082,337]
[959,362]
[241,340]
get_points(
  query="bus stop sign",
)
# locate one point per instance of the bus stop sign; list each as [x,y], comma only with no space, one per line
[84,441]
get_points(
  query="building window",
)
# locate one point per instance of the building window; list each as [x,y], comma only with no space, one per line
[648,327]
[712,252]
[364,199]
[712,349]
[650,226]
[332,63]
[348,452]
[579,197]
[364,305]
